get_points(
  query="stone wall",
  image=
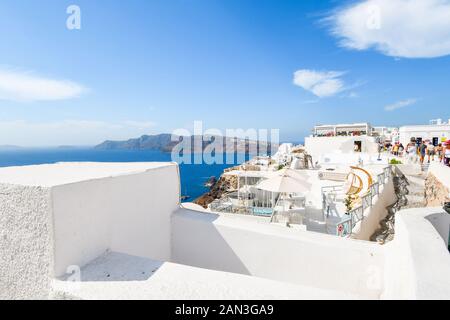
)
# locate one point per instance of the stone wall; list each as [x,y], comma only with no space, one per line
[26,244]
[436,193]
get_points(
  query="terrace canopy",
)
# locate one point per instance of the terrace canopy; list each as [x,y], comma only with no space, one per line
[287,181]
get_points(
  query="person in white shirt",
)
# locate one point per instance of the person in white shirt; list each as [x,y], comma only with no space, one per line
[411,150]
[430,152]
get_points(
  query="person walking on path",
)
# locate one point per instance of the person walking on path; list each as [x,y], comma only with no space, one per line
[422,152]
[380,149]
[411,150]
[401,148]
[395,149]
[440,152]
[430,151]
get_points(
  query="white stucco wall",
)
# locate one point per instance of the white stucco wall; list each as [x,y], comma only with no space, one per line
[128,214]
[317,146]
[55,216]
[417,260]
[425,132]
[277,253]
[26,246]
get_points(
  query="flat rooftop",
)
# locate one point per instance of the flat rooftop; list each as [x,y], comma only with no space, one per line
[49,175]
[120,276]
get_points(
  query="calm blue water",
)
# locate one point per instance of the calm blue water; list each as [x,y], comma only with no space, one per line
[193,176]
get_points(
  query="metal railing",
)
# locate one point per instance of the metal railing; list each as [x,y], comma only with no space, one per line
[221,205]
[225,205]
[344,228]
[357,214]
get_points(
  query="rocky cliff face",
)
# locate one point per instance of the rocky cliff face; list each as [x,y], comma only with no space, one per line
[164,142]
[157,142]
[223,185]
[435,192]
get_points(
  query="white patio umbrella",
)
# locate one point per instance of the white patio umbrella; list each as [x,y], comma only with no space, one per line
[286,182]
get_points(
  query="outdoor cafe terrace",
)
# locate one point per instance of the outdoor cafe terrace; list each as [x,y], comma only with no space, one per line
[307,199]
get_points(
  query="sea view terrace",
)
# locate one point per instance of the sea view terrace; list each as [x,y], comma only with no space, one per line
[334,196]
[343,225]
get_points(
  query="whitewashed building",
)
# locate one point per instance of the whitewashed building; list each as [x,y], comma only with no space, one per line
[436,131]
[349,129]
[341,138]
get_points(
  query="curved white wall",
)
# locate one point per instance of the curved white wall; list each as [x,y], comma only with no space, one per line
[418,261]
[277,253]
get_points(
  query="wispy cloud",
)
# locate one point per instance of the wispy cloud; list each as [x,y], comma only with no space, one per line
[320,83]
[25,86]
[398,28]
[400,104]
[310,101]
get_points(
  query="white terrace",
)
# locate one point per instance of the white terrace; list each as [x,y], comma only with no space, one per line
[315,203]
[117,231]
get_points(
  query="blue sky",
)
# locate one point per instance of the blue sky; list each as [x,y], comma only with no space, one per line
[143,67]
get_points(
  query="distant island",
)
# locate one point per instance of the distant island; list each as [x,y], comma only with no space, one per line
[163,142]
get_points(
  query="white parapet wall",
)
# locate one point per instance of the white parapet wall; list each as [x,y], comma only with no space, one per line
[26,242]
[318,146]
[68,214]
[279,253]
[418,260]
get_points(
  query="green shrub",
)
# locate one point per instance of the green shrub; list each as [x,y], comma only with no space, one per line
[395,161]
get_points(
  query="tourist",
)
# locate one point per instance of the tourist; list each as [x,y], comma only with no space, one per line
[430,152]
[422,152]
[395,149]
[447,154]
[411,151]
[401,148]
[389,147]
[440,152]
[380,149]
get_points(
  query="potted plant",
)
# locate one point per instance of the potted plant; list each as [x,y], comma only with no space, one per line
[348,201]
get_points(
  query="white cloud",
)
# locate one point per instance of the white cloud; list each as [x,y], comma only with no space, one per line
[398,28]
[69,132]
[321,84]
[22,86]
[400,104]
